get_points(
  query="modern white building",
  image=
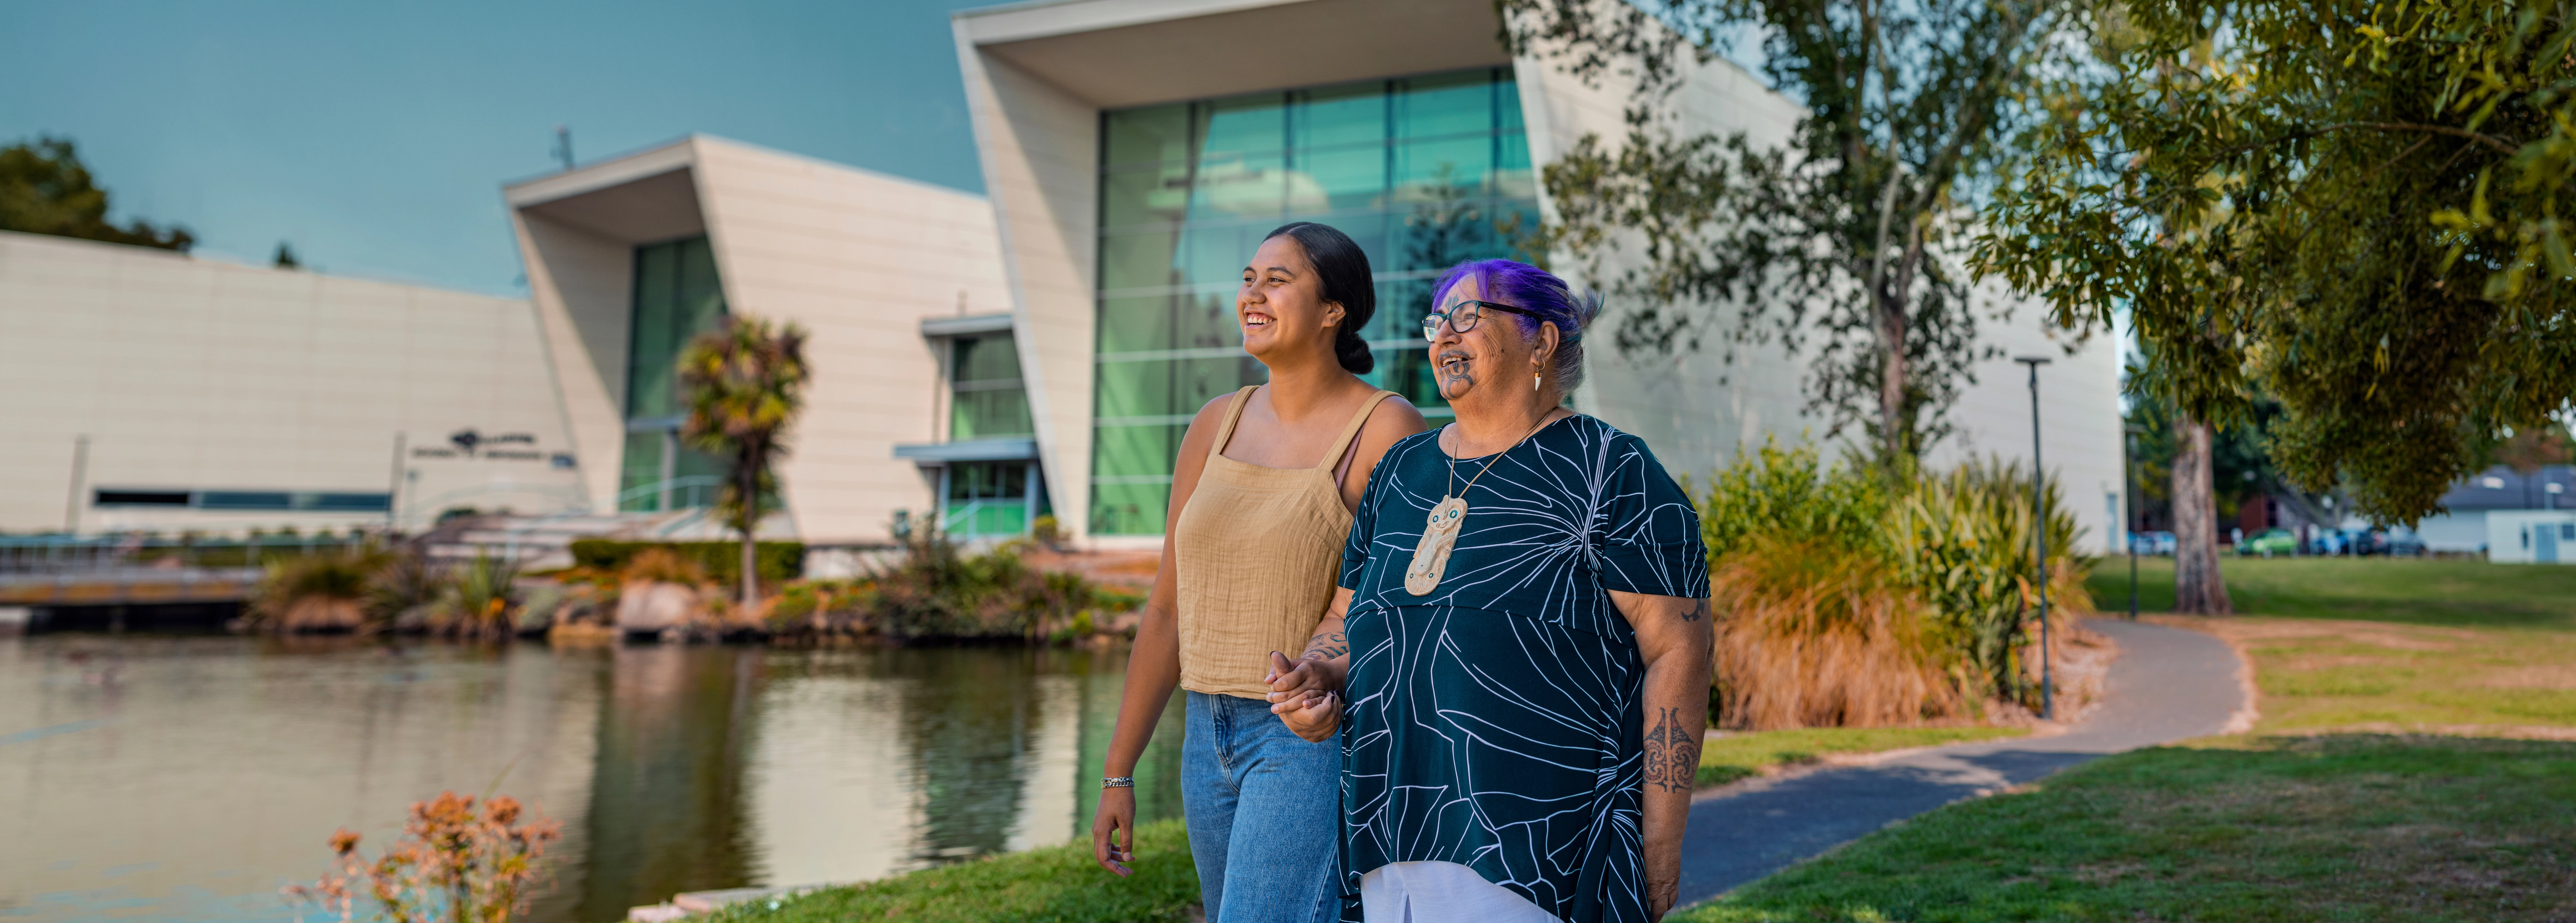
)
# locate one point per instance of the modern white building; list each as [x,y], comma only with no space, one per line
[915,394]
[145,389]
[1134,154]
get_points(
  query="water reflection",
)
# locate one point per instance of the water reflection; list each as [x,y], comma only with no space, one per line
[186,778]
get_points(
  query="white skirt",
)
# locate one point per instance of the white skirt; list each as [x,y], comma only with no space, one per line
[1441,892]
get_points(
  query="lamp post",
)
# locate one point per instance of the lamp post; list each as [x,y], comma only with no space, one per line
[2039,539]
[2129,487]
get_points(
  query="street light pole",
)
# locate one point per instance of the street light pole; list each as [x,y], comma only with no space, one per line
[2129,486]
[2039,539]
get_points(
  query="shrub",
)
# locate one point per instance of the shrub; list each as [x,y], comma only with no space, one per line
[1844,589]
[316,591]
[775,562]
[938,591]
[478,602]
[407,586]
[661,565]
[1818,633]
[451,863]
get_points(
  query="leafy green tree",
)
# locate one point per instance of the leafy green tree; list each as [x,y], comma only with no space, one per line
[1850,237]
[745,384]
[44,189]
[2352,207]
[285,258]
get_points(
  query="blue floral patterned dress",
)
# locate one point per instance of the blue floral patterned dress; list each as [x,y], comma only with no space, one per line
[1496,723]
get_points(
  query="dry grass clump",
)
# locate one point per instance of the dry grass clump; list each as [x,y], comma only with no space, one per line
[1822,635]
[316,592]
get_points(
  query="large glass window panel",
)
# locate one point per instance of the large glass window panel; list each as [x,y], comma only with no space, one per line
[1138,260]
[1446,104]
[677,296]
[1147,196]
[1428,170]
[1416,170]
[1153,134]
[1340,178]
[1138,452]
[640,466]
[1240,186]
[984,359]
[1238,125]
[995,414]
[1338,116]
[1170,387]
[1129,509]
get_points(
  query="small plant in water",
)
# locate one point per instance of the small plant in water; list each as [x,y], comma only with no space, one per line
[452,864]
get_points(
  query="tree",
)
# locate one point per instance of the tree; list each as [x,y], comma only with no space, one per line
[745,383]
[2352,207]
[285,258]
[44,189]
[1851,234]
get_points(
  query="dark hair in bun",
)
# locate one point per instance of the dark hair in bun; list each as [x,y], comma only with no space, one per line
[1344,269]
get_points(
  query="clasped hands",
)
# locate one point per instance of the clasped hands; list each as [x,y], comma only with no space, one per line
[1306,695]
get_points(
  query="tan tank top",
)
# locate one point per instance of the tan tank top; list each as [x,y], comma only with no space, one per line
[1258,551]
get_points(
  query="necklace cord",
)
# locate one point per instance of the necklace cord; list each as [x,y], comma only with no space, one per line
[1498,456]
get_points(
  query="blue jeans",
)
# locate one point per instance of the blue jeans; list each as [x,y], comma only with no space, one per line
[1264,813]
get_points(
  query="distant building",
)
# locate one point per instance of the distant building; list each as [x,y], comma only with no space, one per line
[2463,527]
[149,390]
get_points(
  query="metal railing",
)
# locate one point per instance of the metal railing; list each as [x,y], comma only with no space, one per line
[52,555]
[962,519]
[700,491]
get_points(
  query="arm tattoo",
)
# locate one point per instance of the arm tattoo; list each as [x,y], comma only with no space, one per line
[1671,756]
[1698,611]
[1326,646]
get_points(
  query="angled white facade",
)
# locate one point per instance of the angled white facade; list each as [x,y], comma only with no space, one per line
[861,260]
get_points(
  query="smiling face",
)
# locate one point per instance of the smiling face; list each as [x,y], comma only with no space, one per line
[1281,306]
[1492,360]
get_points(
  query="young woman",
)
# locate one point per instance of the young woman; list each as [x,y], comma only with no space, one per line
[1261,504]
[1527,678]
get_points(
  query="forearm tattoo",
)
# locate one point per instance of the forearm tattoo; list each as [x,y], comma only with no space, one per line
[1698,611]
[1326,646]
[1672,754]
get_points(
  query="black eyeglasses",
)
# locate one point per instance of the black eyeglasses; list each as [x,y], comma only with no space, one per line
[1462,317]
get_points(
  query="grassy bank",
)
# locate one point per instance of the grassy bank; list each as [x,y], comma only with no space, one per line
[2345,827]
[1742,755]
[1057,883]
[2439,591]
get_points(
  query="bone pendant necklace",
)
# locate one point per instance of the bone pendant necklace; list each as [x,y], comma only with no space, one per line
[1440,530]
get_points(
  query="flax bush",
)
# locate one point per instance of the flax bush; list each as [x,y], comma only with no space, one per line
[1858,595]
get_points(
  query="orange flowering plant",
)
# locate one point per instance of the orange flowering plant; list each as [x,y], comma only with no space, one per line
[452,864]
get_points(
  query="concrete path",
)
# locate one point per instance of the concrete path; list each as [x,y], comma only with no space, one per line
[2168,684]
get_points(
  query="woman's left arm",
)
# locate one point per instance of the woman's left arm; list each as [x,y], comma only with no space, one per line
[1674,639]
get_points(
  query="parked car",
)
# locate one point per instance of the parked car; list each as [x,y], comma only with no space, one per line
[2403,541]
[2151,543]
[2269,542]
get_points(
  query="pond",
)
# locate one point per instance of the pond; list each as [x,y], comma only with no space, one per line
[188,778]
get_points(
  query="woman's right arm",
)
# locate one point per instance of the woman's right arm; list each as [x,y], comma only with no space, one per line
[1153,662]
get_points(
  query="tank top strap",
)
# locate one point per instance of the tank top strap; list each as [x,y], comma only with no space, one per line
[1233,412]
[1342,445]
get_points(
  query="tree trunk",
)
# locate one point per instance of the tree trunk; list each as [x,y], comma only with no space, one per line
[2198,588]
[1891,380]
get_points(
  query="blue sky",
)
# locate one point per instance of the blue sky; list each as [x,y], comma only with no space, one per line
[375,137]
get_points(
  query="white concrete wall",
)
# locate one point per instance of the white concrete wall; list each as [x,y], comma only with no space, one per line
[1040,151]
[193,374]
[859,259]
[2459,531]
[2512,538]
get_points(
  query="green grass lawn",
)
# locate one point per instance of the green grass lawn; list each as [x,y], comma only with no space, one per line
[1750,753]
[2448,592]
[2327,828]
[1057,883]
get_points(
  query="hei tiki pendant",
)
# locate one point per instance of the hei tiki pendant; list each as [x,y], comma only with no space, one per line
[1439,537]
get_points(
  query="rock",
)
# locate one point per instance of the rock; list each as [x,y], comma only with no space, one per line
[646,606]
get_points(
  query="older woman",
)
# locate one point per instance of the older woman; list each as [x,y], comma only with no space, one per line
[1525,598]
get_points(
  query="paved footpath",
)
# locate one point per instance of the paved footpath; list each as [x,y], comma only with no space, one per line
[2168,684]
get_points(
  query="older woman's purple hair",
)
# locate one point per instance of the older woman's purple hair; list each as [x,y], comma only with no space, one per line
[1522,285]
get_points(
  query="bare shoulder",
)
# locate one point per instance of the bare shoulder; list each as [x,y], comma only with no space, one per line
[1392,420]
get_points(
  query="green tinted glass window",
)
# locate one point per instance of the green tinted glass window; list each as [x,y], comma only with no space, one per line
[1421,172]
[990,401]
[677,297]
